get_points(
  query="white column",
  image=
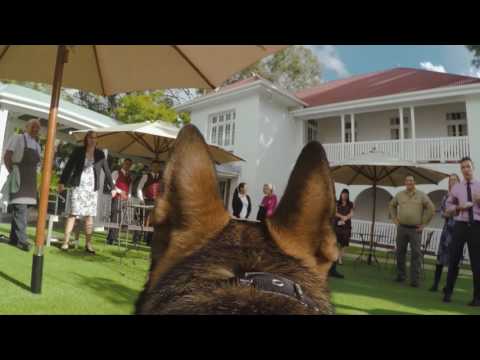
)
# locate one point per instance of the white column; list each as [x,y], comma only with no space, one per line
[473,123]
[352,129]
[413,132]
[352,121]
[402,134]
[3,126]
[342,134]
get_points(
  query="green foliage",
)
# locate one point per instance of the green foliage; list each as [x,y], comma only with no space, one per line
[475,49]
[148,106]
[294,68]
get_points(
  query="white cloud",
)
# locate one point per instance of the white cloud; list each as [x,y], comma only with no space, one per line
[475,72]
[330,59]
[427,65]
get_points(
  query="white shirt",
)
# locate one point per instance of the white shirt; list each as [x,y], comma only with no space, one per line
[16,145]
[114,179]
[142,182]
[244,199]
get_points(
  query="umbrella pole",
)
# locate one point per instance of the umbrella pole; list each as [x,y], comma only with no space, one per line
[372,228]
[37,265]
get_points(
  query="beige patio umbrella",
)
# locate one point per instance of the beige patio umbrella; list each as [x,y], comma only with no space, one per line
[378,169]
[111,69]
[147,140]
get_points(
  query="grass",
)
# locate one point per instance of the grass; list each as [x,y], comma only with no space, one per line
[73,282]
[109,283]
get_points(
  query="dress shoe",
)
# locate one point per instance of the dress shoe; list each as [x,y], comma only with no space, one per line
[474,302]
[414,284]
[447,298]
[90,251]
[433,288]
[399,279]
[336,274]
[23,246]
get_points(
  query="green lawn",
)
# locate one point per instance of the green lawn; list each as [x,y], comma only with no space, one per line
[108,283]
[73,282]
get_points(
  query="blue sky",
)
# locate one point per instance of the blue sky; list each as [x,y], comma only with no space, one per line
[340,61]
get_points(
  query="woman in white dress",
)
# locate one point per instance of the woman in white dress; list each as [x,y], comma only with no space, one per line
[82,173]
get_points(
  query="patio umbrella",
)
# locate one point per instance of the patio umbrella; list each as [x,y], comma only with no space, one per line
[377,169]
[111,69]
[148,140]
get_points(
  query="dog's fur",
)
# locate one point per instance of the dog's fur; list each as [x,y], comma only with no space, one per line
[198,247]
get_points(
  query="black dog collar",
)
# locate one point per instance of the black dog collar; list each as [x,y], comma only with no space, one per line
[275,284]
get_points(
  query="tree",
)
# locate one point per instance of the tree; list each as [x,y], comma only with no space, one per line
[293,68]
[144,106]
[475,49]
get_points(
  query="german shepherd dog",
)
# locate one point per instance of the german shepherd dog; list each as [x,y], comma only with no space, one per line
[206,262]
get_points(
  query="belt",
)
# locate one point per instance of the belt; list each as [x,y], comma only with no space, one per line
[475,222]
[409,226]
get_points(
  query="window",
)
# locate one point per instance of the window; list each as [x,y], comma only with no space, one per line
[221,128]
[348,131]
[224,187]
[395,128]
[457,124]
[312,130]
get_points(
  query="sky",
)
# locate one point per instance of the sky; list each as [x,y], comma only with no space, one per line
[340,61]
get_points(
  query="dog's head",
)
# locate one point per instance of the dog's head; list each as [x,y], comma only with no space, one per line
[199,251]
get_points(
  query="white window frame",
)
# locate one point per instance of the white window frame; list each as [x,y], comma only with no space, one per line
[455,120]
[218,124]
[348,130]
[395,126]
[311,131]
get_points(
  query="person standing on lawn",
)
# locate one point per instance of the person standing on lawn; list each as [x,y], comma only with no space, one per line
[82,173]
[343,222]
[447,234]
[122,179]
[464,199]
[22,159]
[411,210]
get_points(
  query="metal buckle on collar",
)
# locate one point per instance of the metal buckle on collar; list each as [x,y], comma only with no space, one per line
[271,283]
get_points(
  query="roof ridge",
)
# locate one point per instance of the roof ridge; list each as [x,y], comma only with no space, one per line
[350,78]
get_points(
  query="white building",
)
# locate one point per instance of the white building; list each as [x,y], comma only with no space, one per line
[18,104]
[417,115]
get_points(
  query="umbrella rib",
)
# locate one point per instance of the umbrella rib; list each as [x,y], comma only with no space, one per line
[126,147]
[142,141]
[98,69]
[365,174]
[4,52]
[419,174]
[193,66]
[389,173]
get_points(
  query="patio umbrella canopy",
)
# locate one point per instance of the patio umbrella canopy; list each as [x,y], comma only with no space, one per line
[377,169]
[147,140]
[111,69]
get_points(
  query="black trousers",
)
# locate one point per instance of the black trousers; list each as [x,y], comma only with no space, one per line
[18,229]
[470,234]
[147,236]
[114,218]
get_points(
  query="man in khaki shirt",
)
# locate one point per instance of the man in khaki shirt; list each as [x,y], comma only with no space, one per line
[410,210]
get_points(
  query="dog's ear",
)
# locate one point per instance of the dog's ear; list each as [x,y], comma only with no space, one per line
[191,211]
[302,223]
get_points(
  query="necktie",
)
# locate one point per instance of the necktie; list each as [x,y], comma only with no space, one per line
[469,198]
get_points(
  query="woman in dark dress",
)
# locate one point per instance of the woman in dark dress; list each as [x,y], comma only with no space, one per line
[446,237]
[343,222]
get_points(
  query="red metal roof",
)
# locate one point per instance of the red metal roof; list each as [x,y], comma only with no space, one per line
[382,83]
